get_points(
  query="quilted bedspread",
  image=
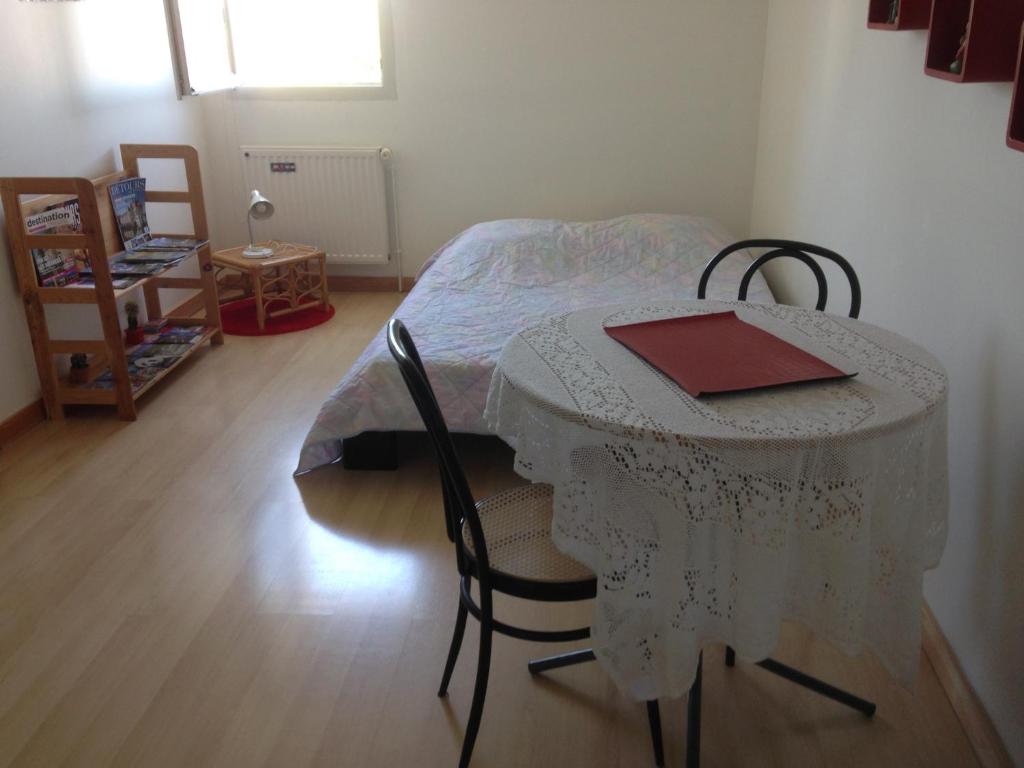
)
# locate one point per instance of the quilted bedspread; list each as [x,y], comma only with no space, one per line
[494,280]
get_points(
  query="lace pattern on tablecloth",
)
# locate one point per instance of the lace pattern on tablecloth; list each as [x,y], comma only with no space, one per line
[823,505]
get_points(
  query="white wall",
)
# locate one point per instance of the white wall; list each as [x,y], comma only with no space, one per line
[575,109]
[910,178]
[583,109]
[78,80]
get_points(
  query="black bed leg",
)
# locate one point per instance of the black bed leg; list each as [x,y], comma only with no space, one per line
[370,450]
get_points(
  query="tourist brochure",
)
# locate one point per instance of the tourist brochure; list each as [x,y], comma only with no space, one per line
[156,355]
[119,268]
[164,243]
[163,258]
[62,267]
[158,352]
[159,349]
[140,270]
[134,266]
[128,199]
[137,375]
[56,267]
[154,325]
[177,334]
[117,281]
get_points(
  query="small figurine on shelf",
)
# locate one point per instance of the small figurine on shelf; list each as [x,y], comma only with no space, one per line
[134,334]
[79,373]
[957,66]
[894,11]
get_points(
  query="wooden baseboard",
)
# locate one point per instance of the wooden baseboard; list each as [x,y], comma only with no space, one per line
[22,421]
[356,284]
[982,734]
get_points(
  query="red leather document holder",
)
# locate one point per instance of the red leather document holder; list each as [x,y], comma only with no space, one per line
[719,352]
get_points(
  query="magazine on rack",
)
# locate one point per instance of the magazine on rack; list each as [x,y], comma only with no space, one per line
[117,281]
[178,335]
[128,199]
[121,269]
[164,259]
[164,243]
[158,352]
[156,355]
[55,266]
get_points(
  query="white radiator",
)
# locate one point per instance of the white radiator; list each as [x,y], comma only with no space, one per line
[330,197]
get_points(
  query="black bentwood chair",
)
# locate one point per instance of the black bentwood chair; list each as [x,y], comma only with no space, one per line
[504,542]
[790,249]
[801,252]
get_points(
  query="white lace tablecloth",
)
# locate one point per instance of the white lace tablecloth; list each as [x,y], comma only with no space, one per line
[712,520]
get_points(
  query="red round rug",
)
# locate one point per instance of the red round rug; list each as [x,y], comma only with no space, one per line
[238,318]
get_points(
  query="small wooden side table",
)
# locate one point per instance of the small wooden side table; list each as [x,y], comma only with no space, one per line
[295,276]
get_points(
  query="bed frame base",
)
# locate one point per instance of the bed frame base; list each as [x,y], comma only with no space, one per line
[370,450]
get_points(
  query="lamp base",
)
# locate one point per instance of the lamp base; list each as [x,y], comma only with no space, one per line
[257,252]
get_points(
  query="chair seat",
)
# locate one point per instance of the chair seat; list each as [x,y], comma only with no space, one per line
[517,529]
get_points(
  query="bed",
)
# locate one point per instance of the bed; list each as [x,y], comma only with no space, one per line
[496,279]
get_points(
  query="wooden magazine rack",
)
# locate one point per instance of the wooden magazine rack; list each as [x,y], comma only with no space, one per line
[100,239]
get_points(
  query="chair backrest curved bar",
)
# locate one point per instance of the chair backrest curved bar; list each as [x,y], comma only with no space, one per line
[790,248]
[459,504]
[760,261]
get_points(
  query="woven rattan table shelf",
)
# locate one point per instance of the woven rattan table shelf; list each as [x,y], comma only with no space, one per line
[293,279]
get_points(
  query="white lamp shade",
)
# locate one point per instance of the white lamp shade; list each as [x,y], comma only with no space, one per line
[259,206]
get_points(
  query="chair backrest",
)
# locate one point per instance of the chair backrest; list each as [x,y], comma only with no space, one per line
[790,249]
[459,505]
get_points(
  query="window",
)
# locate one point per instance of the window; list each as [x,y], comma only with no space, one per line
[278,44]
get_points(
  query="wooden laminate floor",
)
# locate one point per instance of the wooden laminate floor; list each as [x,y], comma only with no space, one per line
[170,595]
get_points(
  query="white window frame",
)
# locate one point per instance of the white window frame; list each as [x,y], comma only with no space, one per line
[386,90]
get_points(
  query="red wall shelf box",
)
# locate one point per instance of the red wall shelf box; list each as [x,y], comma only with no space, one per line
[992,43]
[913,14]
[1015,131]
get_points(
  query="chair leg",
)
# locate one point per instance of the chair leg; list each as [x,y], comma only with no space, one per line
[479,692]
[453,650]
[730,656]
[562,660]
[867,708]
[693,719]
[654,718]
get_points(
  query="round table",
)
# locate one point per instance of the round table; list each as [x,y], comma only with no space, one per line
[714,519]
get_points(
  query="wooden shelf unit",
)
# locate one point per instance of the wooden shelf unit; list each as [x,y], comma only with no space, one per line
[991,52]
[100,239]
[913,14]
[1015,129]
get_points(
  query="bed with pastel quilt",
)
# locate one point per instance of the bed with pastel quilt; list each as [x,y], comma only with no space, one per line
[494,280]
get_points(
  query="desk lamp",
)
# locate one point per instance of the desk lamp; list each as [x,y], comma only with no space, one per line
[259,208]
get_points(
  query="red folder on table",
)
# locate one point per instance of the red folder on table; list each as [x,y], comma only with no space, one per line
[719,352]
